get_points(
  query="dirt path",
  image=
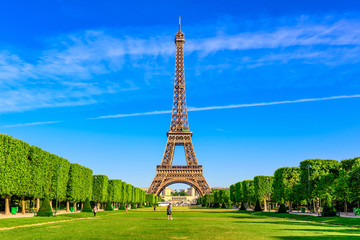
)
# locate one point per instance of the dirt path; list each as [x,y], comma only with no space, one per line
[39,224]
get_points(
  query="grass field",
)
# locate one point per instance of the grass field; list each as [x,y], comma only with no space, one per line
[188,223]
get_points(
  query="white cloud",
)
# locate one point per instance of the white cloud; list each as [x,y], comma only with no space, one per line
[194,109]
[30,124]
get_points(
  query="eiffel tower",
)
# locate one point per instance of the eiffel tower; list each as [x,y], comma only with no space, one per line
[179,135]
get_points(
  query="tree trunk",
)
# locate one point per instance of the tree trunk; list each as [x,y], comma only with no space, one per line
[7,205]
[50,201]
[345,208]
[37,204]
[290,206]
[67,206]
[265,208]
[74,205]
[23,204]
[82,206]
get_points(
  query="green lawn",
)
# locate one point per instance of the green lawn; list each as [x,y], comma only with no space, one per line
[188,223]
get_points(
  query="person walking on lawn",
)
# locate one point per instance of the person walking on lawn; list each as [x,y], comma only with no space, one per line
[94,210]
[169,212]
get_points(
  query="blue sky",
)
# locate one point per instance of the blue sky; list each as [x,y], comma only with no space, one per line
[269,84]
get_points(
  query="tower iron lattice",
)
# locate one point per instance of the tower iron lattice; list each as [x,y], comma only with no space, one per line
[179,135]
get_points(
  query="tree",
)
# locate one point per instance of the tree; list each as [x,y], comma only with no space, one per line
[317,178]
[262,187]
[284,185]
[354,182]
[238,192]
[102,182]
[232,193]
[248,192]
[342,188]
[15,169]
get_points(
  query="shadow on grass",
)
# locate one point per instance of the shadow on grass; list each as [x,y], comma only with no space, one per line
[348,222]
[319,237]
[320,230]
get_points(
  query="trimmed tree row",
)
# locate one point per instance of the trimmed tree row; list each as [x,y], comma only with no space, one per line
[318,184]
[28,174]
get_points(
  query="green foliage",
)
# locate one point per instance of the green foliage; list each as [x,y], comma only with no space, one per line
[232,193]
[122,206]
[257,206]
[15,167]
[45,208]
[129,193]
[115,190]
[354,182]
[242,207]
[323,174]
[347,164]
[342,186]
[133,206]
[80,183]
[262,187]
[282,208]
[101,182]
[329,209]
[229,204]
[284,185]
[179,194]
[108,206]
[87,206]
[248,191]
[238,192]
[150,198]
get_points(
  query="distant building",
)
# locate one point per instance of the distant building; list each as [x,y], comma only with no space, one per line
[190,198]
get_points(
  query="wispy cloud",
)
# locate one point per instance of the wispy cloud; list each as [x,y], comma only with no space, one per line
[79,68]
[30,124]
[340,33]
[194,109]
[133,114]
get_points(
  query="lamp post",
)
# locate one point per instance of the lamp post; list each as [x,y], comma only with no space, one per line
[309,184]
[95,177]
[269,190]
[57,187]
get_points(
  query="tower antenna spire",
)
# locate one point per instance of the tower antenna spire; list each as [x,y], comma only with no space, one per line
[179,23]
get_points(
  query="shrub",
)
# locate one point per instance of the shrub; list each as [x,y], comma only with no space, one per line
[122,206]
[45,209]
[242,207]
[229,204]
[223,205]
[257,206]
[329,209]
[87,206]
[133,206]
[282,208]
[108,206]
